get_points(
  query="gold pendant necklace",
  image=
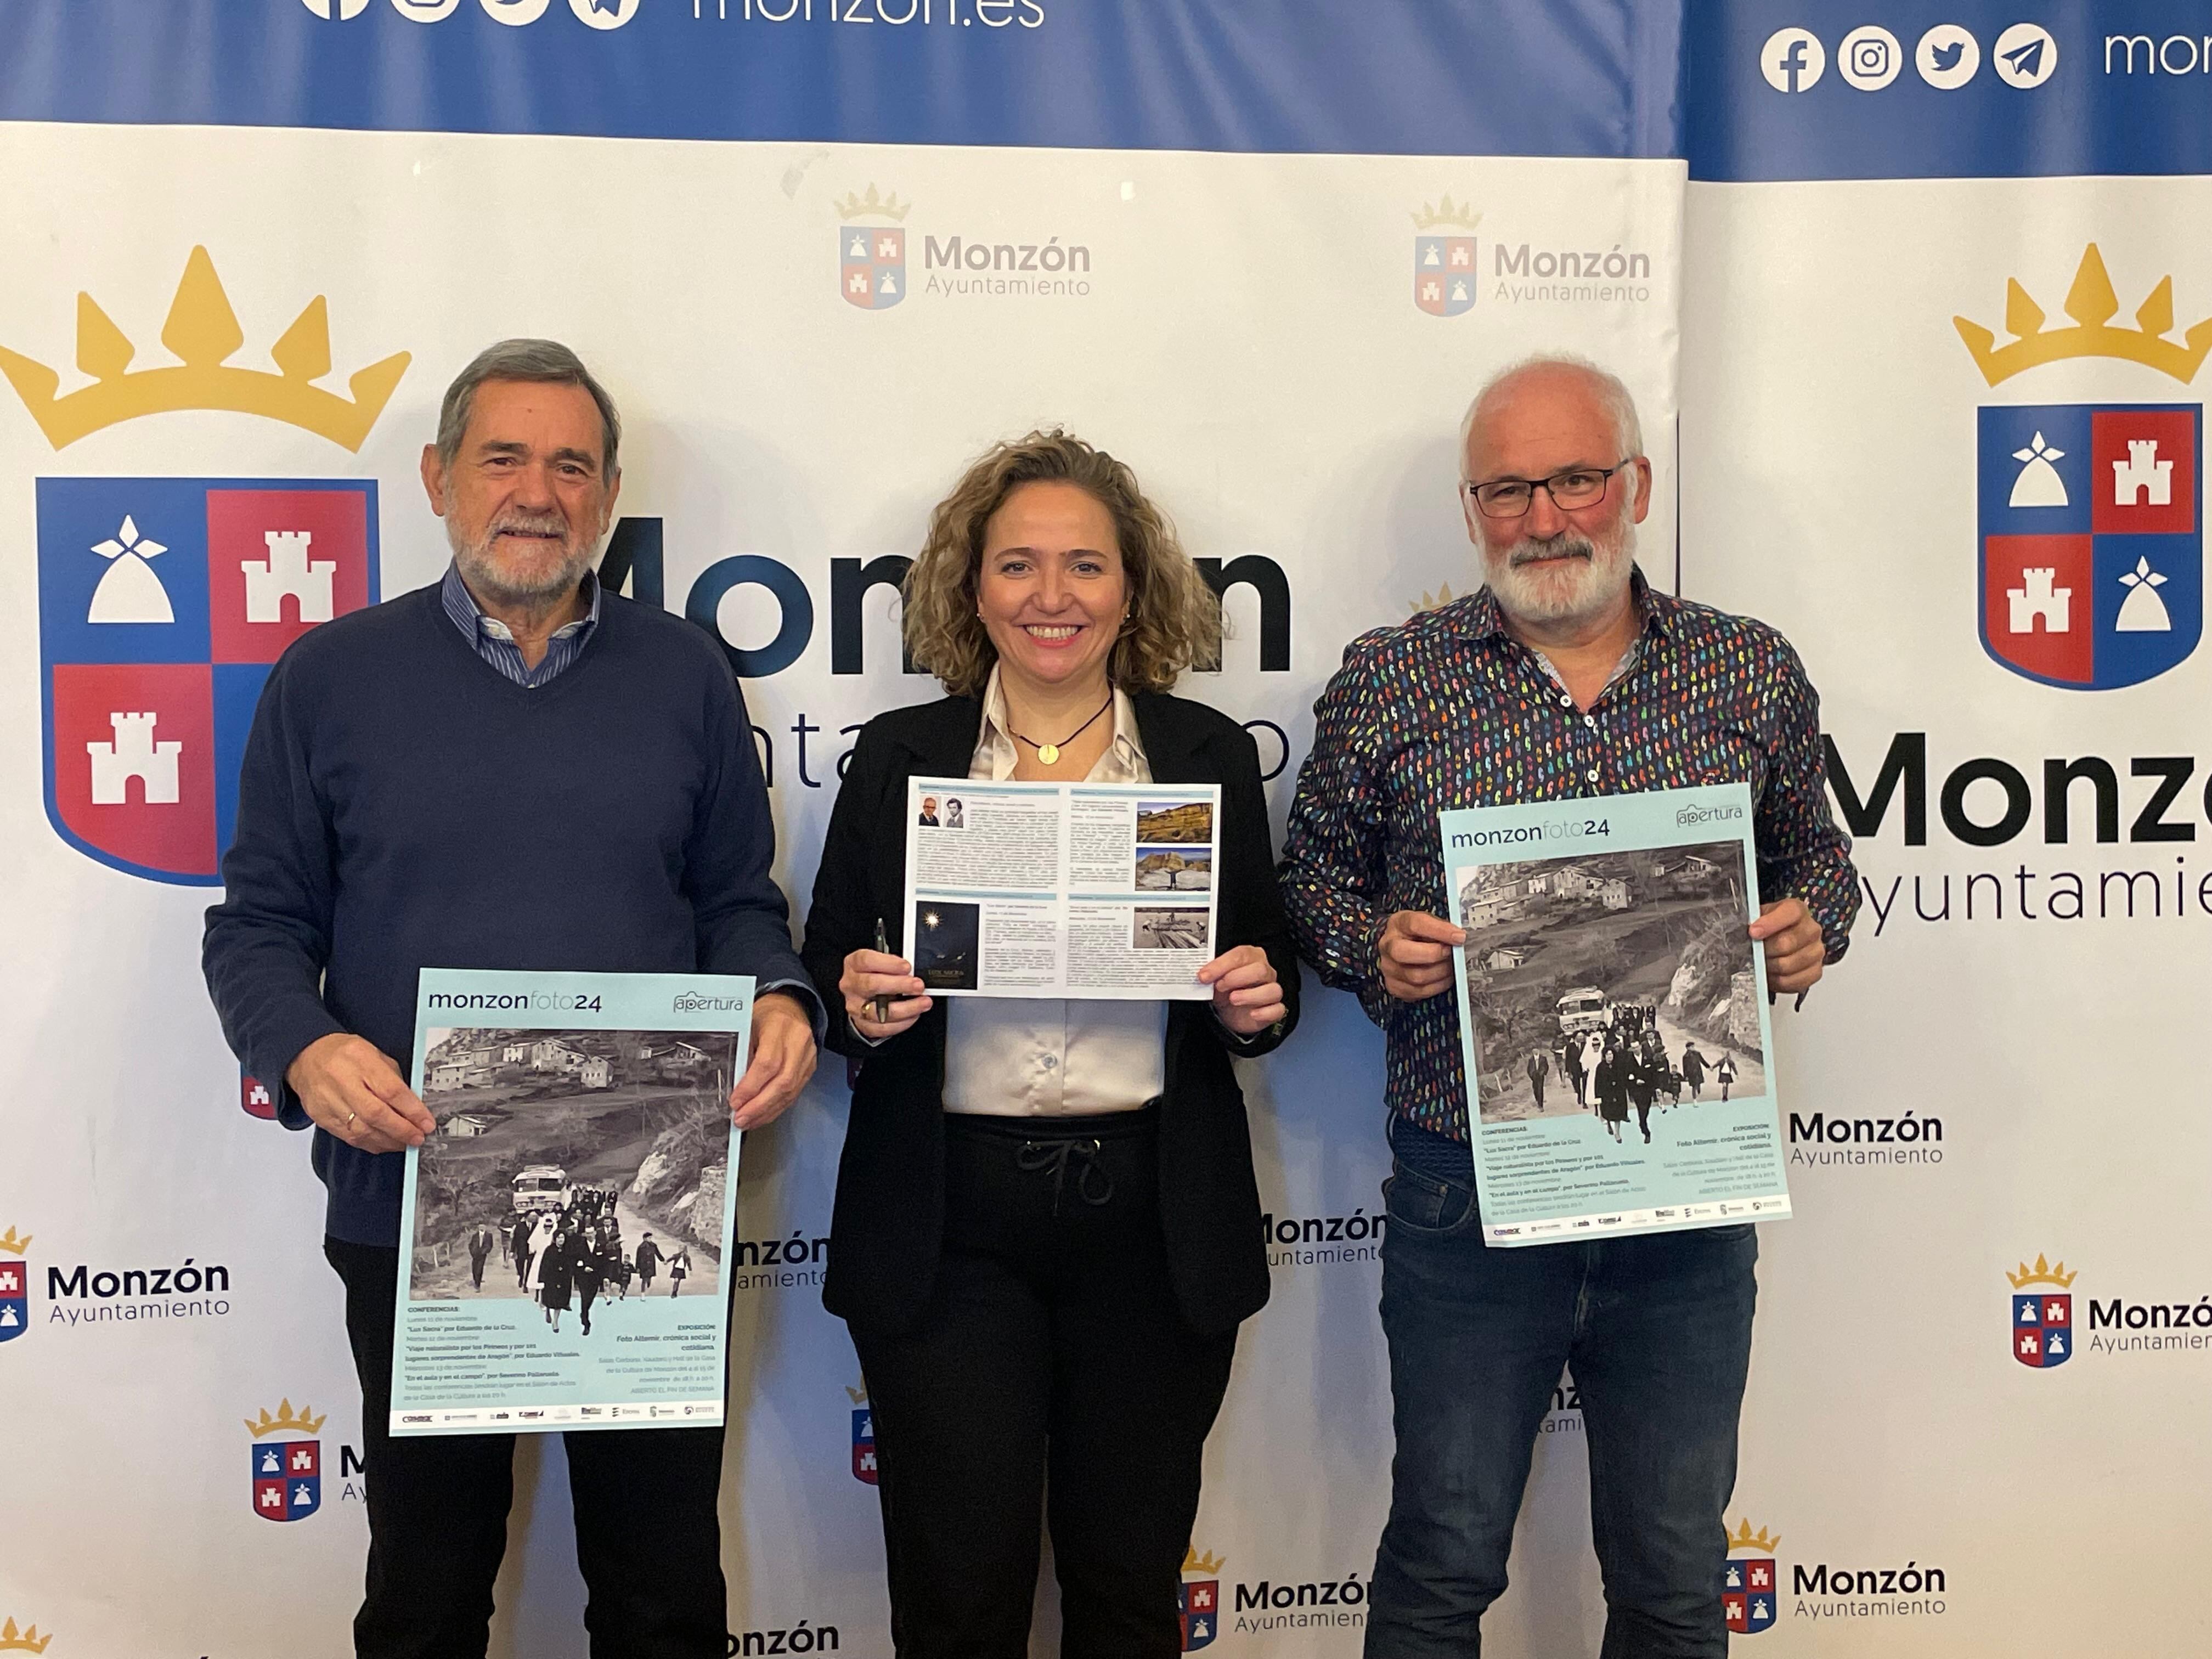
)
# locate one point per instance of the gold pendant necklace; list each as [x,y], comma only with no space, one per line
[1049,752]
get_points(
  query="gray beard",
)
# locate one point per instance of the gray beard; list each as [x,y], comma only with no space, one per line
[1596,589]
[485,577]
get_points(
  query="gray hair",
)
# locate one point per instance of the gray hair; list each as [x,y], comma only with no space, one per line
[1611,390]
[545,362]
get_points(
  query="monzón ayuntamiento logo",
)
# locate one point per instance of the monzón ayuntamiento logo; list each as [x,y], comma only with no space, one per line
[1198,1605]
[15,1284]
[1445,277]
[871,249]
[25,1640]
[2042,1314]
[864,1437]
[2090,515]
[288,1474]
[163,602]
[1749,1592]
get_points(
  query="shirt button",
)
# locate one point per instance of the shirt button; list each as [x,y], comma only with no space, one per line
[1565,701]
[1591,774]
[1049,1061]
[1590,720]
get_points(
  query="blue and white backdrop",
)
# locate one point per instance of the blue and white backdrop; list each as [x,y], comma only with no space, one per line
[1913,310]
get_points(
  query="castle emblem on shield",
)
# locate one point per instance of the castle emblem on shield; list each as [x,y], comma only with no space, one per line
[288,1474]
[864,1437]
[871,249]
[1444,276]
[1749,1590]
[15,1284]
[163,602]
[2042,1315]
[2090,515]
[1199,1605]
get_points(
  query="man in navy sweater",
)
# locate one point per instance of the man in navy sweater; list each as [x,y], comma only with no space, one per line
[513,769]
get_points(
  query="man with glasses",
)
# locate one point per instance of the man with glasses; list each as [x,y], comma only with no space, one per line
[1565,676]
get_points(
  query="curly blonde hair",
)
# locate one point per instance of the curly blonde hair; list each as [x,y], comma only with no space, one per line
[1174,619]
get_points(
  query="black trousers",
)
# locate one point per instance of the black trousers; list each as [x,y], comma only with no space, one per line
[1053,1347]
[647,1535]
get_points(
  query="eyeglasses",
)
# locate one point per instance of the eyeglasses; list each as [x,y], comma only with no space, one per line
[1510,498]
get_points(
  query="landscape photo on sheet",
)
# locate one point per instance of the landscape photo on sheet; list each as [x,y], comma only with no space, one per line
[1174,821]
[577,1169]
[1162,928]
[1621,984]
[1174,869]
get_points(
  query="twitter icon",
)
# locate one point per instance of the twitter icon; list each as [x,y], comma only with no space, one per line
[1947,57]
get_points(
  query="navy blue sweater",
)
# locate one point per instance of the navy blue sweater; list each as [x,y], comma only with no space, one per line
[403,807]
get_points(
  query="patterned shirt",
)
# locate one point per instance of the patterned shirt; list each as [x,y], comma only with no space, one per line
[495,644]
[1448,710]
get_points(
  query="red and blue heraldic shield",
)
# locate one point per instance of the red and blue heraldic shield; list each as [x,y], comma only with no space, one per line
[2091,540]
[14,1297]
[2042,1329]
[1747,1593]
[1443,274]
[162,602]
[864,1445]
[288,1479]
[1200,1610]
[872,266]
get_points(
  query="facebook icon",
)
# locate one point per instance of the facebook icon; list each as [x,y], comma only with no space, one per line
[1792,60]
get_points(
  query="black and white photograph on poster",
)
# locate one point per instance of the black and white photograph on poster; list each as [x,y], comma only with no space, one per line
[1174,822]
[1156,928]
[1174,869]
[1621,985]
[575,1170]
[947,944]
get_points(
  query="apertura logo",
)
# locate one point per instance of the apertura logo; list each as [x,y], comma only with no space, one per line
[162,602]
[1198,1605]
[1445,277]
[2090,515]
[1749,1591]
[15,1284]
[864,1437]
[871,256]
[2042,1320]
[287,1474]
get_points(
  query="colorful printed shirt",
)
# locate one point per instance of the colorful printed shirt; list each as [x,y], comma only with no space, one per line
[1447,710]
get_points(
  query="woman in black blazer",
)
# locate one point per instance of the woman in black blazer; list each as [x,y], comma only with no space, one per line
[1046,1227]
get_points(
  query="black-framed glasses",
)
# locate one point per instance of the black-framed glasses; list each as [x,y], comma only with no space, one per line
[1579,486]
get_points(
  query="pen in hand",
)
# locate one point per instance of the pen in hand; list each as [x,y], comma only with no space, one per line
[880,1008]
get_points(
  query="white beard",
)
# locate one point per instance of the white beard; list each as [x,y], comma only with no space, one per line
[1575,592]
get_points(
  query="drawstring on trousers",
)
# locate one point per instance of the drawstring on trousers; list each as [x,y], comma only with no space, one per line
[1054,1155]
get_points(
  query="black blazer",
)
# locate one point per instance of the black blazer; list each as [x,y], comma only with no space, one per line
[888,1228]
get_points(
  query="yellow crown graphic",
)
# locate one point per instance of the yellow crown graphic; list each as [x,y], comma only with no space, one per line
[303,1421]
[2042,1273]
[1193,1562]
[26,1640]
[2091,303]
[882,207]
[12,1244]
[1425,603]
[859,1394]
[1445,211]
[203,332]
[1743,1538]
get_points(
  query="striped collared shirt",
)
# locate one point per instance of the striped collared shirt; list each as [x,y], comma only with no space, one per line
[496,646]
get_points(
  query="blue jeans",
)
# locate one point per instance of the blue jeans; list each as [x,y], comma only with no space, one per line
[1657,1330]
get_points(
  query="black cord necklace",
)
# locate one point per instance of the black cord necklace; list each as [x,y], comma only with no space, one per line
[1049,752]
